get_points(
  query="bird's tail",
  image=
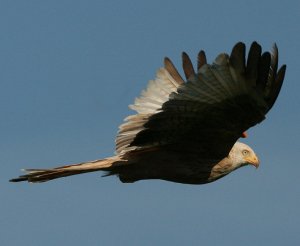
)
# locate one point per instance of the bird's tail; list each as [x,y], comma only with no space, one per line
[43,175]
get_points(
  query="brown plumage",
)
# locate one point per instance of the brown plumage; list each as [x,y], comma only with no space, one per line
[187,132]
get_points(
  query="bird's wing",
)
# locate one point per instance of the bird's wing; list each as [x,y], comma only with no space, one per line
[210,111]
[149,103]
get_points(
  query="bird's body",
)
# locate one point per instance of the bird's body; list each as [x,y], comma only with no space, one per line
[181,167]
[187,132]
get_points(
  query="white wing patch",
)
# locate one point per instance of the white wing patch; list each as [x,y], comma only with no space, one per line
[156,94]
[149,103]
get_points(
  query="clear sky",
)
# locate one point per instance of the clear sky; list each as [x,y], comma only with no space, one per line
[68,70]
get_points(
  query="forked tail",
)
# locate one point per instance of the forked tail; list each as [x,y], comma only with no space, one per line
[43,175]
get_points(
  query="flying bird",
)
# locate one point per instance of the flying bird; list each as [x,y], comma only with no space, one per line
[186,130]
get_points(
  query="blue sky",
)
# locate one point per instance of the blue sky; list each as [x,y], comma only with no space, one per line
[68,70]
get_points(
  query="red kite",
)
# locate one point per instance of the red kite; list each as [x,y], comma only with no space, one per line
[186,131]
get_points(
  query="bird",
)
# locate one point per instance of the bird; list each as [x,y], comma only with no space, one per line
[187,130]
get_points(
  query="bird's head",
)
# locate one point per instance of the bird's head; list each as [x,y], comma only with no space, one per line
[243,155]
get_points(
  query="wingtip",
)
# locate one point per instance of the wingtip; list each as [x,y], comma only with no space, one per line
[277,86]
[167,61]
[169,66]
[274,48]
[201,59]
[187,65]
[237,57]
[281,73]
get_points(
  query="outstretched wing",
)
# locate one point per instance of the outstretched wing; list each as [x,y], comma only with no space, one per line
[210,111]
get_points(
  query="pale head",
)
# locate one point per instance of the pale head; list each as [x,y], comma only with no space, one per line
[241,154]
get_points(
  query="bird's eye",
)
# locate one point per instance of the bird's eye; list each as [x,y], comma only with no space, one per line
[245,152]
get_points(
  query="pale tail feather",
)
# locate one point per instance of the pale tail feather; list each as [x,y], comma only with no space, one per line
[43,175]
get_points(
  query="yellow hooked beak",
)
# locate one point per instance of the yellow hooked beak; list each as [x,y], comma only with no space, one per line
[252,160]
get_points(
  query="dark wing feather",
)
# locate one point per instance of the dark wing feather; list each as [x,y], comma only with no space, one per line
[275,79]
[209,112]
[172,70]
[201,59]
[237,58]
[275,87]
[187,65]
[252,63]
